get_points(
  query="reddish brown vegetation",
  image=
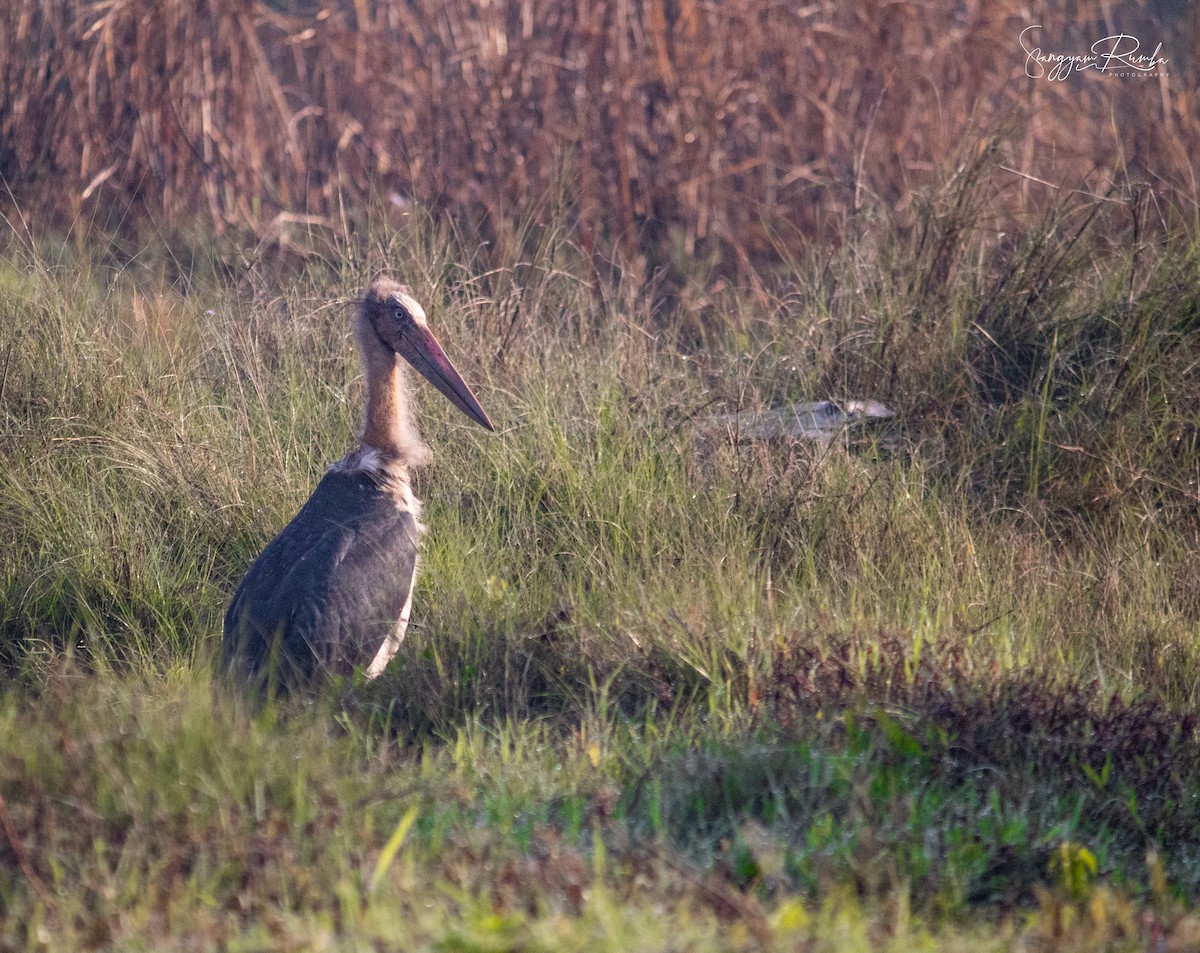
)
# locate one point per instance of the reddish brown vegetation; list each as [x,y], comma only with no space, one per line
[733,128]
[1066,726]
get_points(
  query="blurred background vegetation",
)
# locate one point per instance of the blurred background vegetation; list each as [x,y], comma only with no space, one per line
[731,133]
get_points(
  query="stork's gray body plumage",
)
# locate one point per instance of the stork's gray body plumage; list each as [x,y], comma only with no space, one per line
[331,594]
[332,591]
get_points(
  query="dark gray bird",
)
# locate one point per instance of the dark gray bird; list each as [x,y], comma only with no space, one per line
[331,594]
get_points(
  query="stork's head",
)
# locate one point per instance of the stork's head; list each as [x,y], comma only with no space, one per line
[398,320]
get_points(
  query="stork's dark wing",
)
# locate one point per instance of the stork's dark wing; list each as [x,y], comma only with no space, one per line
[327,593]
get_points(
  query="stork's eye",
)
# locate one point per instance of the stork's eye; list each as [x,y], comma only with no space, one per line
[399,312]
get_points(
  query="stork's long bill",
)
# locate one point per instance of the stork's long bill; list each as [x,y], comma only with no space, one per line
[420,348]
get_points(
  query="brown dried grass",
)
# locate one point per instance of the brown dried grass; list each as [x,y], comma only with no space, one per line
[734,131]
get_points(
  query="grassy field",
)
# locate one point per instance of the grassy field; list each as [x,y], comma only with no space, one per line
[933,688]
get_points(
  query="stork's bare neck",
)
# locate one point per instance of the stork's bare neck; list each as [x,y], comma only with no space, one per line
[390,325]
[388,427]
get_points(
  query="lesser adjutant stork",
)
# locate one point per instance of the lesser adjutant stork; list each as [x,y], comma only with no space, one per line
[331,594]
